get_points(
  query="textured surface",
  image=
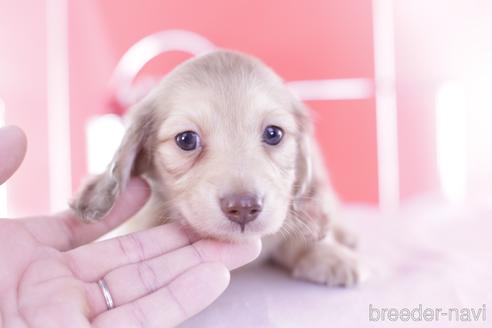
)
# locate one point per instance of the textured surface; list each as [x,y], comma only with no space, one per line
[436,256]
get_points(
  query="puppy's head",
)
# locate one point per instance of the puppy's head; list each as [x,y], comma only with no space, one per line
[224,143]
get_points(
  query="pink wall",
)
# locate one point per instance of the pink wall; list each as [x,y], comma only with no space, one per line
[310,40]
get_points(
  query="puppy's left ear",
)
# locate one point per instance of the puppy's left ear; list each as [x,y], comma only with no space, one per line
[133,158]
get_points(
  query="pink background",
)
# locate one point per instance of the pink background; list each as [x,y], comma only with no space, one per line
[312,39]
[285,35]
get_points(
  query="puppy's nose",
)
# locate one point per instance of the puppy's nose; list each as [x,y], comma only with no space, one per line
[241,208]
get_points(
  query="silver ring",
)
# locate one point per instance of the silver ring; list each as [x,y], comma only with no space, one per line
[107,295]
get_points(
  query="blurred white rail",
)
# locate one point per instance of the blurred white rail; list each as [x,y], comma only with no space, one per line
[60,175]
[335,89]
[386,107]
[452,140]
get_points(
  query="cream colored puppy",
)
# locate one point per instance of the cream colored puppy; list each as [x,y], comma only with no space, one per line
[230,153]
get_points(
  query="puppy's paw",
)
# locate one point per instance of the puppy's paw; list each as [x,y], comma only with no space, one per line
[329,264]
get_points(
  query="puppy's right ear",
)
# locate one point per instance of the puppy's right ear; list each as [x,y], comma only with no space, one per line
[305,142]
[133,158]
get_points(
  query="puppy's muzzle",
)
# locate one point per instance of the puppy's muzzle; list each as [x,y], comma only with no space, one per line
[241,208]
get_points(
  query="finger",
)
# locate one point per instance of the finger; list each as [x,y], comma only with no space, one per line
[13,144]
[131,282]
[184,297]
[91,262]
[65,231]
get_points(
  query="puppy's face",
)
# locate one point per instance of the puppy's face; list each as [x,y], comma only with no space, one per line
[227,155]
[224,142]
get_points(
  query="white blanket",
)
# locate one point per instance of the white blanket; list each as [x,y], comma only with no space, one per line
[423,257]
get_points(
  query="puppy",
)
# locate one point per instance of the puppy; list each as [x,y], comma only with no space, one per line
[230,153]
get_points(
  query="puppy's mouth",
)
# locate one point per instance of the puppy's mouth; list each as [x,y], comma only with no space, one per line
[227,230]
[236,217]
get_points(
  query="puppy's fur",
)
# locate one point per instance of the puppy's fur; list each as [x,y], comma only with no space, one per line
[228,99]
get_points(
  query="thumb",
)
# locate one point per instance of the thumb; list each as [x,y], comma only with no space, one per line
[13,144]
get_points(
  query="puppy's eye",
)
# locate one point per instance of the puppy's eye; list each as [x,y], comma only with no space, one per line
[272,135]
[188,140]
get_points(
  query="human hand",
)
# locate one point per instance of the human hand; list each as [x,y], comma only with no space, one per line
[158,277]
